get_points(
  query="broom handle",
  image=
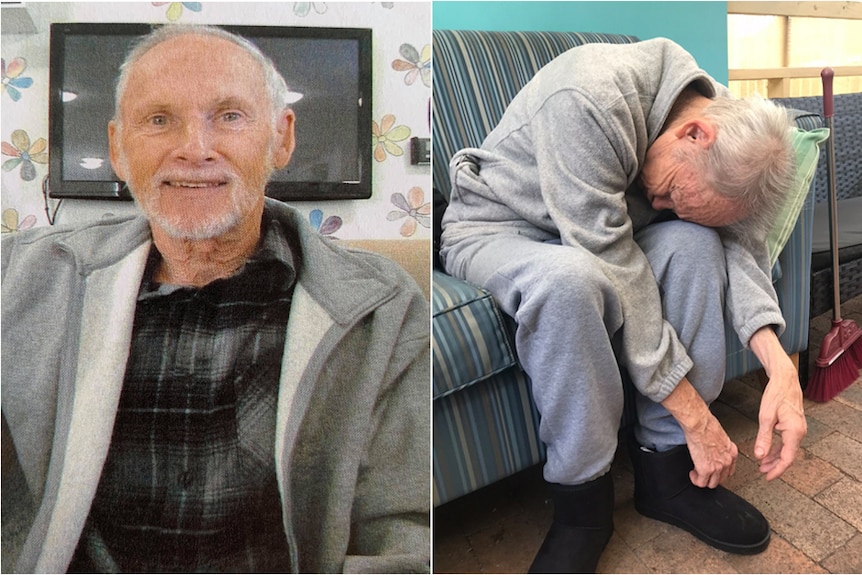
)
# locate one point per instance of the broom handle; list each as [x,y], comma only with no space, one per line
[826,75]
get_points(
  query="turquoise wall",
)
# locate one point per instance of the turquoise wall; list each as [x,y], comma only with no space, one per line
[700,27]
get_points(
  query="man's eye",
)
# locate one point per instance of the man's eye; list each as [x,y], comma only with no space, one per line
[231,116]
[158,120]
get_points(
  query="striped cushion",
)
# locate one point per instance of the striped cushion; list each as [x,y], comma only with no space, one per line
[470,338]
[476,75]
[484,433]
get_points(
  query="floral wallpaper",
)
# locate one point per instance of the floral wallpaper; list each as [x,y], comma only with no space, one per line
[400,205]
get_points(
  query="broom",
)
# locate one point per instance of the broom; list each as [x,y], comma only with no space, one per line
[840,357]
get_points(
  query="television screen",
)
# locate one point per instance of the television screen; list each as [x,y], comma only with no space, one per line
[328,72]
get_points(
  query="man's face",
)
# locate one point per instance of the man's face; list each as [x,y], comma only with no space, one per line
[670,183]
[195,138]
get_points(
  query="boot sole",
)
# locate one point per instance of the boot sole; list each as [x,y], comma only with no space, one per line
[737,549]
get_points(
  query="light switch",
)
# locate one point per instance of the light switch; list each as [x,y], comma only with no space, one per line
[420,151]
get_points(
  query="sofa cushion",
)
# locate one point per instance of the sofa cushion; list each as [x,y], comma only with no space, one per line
[849,233]
[470,337]
[484,433]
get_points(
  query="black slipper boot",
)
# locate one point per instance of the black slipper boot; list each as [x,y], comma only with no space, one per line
[720,518]
[582,526]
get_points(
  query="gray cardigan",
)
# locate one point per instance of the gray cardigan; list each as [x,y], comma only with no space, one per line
[561,165]
[352,439]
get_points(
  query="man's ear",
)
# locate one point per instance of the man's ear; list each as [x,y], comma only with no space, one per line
[114,149]
[286,139]
[697,131]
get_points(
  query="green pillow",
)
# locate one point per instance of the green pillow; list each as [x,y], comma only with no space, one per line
[807,146]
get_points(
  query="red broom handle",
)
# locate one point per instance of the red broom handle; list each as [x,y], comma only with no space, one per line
[826,76]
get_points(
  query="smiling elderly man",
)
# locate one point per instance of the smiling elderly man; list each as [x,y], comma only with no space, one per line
[617,212]
[196,390]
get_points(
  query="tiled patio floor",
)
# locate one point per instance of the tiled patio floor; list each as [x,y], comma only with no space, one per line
[815,508]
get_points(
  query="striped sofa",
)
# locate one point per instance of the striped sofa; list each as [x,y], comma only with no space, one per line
[484,421]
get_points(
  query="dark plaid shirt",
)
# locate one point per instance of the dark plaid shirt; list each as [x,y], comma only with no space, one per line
[189,483]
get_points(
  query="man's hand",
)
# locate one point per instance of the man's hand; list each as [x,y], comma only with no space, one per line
[780,408]
[713,453]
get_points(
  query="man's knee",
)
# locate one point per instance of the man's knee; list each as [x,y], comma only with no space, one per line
[697,244]
[568,283]
[680,247]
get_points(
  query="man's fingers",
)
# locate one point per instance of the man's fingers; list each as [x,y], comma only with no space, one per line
[729,472]
[778,468]
[780,459]
[776,453]
[763,443]
[712,478]
[768,462]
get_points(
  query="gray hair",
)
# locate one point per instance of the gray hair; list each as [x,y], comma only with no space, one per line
[752,158]
[275,85]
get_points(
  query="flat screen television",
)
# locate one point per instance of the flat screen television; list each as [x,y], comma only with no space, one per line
[328,71]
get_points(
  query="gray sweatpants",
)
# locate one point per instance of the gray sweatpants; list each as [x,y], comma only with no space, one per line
[569,319]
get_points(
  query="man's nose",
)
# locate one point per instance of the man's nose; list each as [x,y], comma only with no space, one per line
[196,142]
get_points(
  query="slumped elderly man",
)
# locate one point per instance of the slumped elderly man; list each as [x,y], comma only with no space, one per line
[213,387]
[617,212]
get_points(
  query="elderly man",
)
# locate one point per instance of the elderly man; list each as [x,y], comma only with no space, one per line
[617,213]
[213,387]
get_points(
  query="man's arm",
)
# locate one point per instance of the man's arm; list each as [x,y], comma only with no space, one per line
[753,309]
[781,407]
[712,451]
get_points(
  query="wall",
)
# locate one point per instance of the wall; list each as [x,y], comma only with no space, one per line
[700,27]
[400,202]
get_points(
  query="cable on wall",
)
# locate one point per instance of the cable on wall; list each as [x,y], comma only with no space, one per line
[50,212]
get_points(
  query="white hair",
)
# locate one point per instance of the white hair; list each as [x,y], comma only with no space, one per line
[752,158]
[276,87]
